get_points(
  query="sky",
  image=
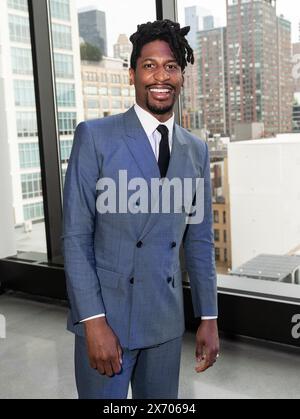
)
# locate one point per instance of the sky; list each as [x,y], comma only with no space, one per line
[123,16]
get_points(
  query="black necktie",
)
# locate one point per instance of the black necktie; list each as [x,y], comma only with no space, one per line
[164,150]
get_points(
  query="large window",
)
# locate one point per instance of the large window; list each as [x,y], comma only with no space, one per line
[62,36]
[22,199]
[60,9]
[31,185]
[66,123]
[29,155]
[92,87]
[19,29]
[65,94]
[24,93]
[21,61]
[238,90]
[63,66]
[26,124]
[33,212]
[238,98]
[17,4]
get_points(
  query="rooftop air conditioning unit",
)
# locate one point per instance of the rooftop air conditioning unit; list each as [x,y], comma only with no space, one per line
[28,226]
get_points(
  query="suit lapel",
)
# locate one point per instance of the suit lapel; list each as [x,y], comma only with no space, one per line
[141,150]
[178,154]
[178,160]
[139,146]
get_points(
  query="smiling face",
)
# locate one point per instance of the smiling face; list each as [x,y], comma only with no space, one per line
[157,79]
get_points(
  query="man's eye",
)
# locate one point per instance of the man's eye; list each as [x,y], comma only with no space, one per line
[172,66]
[148,65]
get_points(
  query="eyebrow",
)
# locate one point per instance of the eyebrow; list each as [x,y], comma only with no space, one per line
[173,60]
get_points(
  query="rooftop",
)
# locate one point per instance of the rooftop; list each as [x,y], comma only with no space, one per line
[271,267]
[291,138]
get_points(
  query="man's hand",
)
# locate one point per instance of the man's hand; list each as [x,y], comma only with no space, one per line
[105,352]
[207,345]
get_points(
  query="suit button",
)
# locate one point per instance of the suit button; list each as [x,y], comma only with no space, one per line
[173,244]
[131,280]
[139,244]
[169,279]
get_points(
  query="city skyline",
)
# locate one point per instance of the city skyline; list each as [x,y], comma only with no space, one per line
[115,15]
[218,10]
[117,21]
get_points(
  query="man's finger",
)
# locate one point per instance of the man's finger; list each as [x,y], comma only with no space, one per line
[100,368]
[202,366]
[211,357]
[199,353]
[108,369]
[93,364]
[208,360]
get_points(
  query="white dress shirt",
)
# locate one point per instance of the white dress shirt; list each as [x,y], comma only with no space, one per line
[150,124]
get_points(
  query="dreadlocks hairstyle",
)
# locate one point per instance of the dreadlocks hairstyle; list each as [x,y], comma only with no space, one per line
[164,30]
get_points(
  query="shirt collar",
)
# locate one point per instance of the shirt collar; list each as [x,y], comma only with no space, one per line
[150,123]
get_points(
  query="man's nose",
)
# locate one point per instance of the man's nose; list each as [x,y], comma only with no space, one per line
[161,74]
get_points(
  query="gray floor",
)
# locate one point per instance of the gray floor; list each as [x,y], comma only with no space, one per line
[36,360]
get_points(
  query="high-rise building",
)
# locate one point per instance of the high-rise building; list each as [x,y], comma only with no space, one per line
[194,116]
[252,58]
[189,97]
[296,81]
[197,18]
[296,66]
[212,92]
[285,79]
[92,28]
[190,114]
[17,99]
[192,20]
[257,49]
[220,205]
[123,48]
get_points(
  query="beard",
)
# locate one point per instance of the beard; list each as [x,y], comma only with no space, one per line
[159,111]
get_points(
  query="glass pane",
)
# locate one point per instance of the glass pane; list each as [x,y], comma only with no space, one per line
[242,97]
[22,227]
[98,84]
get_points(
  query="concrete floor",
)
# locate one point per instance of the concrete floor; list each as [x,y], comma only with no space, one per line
[36,360]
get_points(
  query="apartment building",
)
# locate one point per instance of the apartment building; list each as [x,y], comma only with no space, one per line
[19,111]
[106,89]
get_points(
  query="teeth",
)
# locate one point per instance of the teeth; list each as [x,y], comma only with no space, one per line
[160,90]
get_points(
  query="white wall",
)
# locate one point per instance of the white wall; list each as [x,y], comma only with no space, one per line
[264,182]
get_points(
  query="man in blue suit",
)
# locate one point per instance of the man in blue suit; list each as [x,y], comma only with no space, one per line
[122,267]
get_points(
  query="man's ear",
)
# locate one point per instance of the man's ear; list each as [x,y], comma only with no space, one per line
[182,84]
[131,76]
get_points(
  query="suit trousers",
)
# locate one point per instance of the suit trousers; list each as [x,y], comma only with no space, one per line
[153,373]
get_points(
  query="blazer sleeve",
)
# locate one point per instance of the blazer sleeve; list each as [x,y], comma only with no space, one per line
[199,252]
[79,203]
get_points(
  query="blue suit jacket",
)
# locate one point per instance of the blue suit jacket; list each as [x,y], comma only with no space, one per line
[100,250]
